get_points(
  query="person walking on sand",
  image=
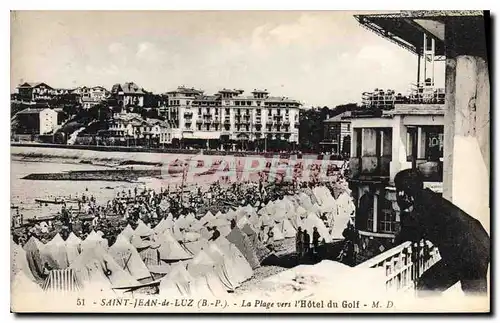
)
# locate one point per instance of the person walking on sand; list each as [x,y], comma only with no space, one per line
[315,240]
[306,243]
[299,240]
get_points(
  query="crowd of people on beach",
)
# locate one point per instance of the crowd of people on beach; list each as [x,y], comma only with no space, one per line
[127,207]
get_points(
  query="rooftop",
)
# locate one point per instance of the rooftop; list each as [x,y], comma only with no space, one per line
[32,84]
[340,117]
[407,27]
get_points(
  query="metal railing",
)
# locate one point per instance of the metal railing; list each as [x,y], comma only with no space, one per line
[404,264]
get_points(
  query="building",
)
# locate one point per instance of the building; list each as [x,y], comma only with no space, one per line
[409,135]
[337,134]
[128,96]
[32,92]
[90,96]
[455,126]
[38,121]
[132,129]
[230,120]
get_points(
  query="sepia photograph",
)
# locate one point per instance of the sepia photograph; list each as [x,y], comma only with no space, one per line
[250,161]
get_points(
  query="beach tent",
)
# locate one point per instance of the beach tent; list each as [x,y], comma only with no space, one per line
[261,251]
[194,247]
[94,240]
[36,263]
[176,283]
[278,235]
[200,264]
[208,285]
[287,228]
[140,243]
[19,262]
[170,250]
[128,258]
[209,217]
[55,253]
[243,243]
[160,226]
[22,287]
[190,236]
[143,230]
[127,232]
[314,221]
[151,255]
[95,269]
[73,247]
[233,258]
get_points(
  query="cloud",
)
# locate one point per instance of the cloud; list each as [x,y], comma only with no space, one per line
[148,51]
[102,71]
[116,48]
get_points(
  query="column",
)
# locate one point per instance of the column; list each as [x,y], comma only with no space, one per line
[399,153]
[375,213]
[467,123]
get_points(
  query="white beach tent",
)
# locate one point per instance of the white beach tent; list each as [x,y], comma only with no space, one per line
[55,252]
[19,262]
[143,230]
[170,250]
[95,268]
[128,258]
[73,247]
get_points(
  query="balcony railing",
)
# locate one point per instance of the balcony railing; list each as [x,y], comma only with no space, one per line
[404,264]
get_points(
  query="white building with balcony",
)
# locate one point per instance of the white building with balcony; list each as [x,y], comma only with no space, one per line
[231,120]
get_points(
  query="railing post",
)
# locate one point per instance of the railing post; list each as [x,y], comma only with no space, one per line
[422,258]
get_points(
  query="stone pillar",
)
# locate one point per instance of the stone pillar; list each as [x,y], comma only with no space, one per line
[399,154]
[375,213]
[369,142]
[467,119]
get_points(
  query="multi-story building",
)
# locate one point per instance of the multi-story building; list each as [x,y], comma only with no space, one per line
[391,133]
[129,95]
[32,92]
[337,134]
[38,121]
[131,126]
[230,120]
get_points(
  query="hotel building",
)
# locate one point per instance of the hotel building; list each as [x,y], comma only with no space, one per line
[231,120]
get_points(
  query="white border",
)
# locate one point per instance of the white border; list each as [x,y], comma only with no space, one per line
[185,5]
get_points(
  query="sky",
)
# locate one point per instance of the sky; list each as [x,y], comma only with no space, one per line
[319,58]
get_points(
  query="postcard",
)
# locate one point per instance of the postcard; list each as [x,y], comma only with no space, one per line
[250,162]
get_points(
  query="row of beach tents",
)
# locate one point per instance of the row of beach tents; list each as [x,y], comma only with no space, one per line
[177,256]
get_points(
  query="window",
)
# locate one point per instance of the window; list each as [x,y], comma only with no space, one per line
[208,127]
[348,127]
[216,111]
[426,141]
[227,112]
[199,127]
[358,141]
[199,111]
[236,103]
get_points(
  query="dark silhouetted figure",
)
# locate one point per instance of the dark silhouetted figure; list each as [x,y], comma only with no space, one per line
[316,237]
[306,243]
[463,243]
[299,243]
